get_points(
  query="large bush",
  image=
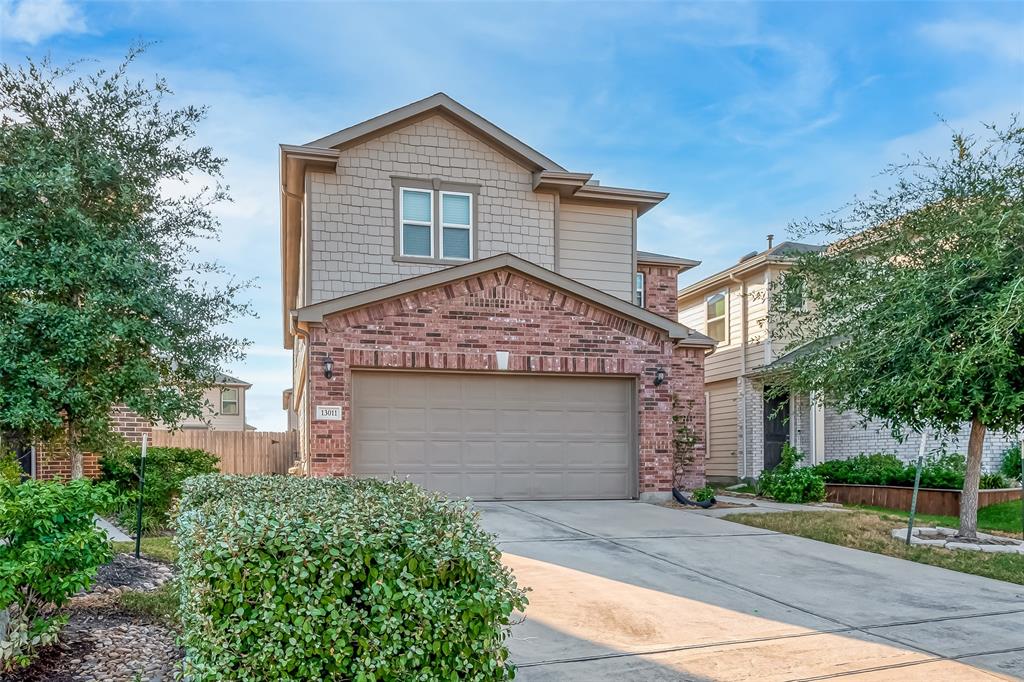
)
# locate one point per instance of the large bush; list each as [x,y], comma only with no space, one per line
[49,550]
[1010,465]
[788,482]
[10,469]
[166,468]
[309,579]
[943,471]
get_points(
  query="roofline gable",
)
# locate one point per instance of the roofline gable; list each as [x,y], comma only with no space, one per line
[682,334]
[441,104]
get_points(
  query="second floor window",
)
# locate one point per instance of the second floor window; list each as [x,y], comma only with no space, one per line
[229,401]
[638,290]
[717,317]
[456,225]
[417,208]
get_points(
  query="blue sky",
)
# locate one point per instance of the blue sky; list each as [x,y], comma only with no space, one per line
[752,115]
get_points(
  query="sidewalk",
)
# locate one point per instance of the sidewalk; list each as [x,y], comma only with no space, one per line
[113,534]
[761,507]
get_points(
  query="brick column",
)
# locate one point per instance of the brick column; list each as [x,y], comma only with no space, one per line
[660,289]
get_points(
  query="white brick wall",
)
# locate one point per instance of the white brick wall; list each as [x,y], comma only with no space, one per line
[846,436]
[352,211]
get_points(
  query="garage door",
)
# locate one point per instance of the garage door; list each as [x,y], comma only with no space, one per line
[491,437]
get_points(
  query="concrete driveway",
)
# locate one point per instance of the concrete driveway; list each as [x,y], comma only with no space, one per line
[629,591]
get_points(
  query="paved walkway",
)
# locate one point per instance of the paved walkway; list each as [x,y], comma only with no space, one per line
[113,534]
[627,591]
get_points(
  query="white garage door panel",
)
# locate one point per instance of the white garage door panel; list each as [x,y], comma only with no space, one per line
[496,437]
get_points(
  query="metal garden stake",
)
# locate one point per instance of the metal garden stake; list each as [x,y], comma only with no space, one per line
[142,485]
[917,484]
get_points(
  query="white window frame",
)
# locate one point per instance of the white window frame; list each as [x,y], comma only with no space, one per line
[237,401]
[724,317]
[640,289]
[455,226]
[402,222]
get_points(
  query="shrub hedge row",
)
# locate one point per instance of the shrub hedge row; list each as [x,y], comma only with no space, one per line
[944,471]
[291,578]
[166,468]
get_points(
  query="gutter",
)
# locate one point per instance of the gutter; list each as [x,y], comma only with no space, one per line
[307,418]
[743,364]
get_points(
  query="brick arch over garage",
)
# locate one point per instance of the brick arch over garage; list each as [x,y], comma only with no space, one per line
[459,325]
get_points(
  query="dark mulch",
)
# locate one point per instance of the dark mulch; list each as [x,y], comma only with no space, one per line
[56,663]
[127,571]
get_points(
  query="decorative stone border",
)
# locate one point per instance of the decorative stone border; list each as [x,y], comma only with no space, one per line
[1003,545]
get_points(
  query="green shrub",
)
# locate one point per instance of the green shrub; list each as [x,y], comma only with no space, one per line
[321,578]
[166,468]
[944,471]
[993,481]
[1010,464]
[49,550]
[703,494]
[788,482]
[10,468]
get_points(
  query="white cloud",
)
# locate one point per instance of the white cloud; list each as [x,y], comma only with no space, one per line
[31,21]
[988,37]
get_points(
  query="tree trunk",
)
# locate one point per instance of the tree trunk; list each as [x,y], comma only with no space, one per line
[972,478]
[75,453]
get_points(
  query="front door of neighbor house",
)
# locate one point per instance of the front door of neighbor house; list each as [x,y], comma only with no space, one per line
[776,427]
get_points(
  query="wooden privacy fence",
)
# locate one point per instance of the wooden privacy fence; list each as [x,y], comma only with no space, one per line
[240,452]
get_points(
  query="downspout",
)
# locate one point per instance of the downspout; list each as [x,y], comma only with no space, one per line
[743,364]
[298,331]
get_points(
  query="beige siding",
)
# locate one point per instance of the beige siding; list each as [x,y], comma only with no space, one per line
[727,362]
[722,439]
[351,212]
[215,420]
[595,247]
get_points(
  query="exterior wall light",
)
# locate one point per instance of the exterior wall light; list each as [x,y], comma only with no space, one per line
[659,376]
[328,367]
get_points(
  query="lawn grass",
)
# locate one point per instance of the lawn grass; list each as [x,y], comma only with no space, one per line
[160,604]
[870,531]
[158,548]
[1004,517]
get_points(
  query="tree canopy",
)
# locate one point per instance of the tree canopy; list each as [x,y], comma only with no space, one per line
[103,301]
[914,315]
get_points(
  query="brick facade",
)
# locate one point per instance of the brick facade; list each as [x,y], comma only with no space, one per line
[458,327]
[661,287]
[53,462]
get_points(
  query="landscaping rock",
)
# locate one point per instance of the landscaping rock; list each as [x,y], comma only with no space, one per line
[127,572]
[947,538]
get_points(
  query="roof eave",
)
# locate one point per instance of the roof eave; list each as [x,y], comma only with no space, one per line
[677,332]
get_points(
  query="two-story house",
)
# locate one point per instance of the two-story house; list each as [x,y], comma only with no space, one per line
[746,428]
[224,408]
[465,312]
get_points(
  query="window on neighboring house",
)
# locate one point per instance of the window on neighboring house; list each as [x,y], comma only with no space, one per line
[229,401]
[717,323]
[456,225]
[417,207]
[638,290]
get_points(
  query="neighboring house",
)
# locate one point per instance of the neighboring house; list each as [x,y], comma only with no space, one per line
[466,312]
[746,430]
[225,412]
[225,407]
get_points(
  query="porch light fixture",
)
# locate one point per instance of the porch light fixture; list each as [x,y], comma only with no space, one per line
[328,367]
[502,357]
[659,376]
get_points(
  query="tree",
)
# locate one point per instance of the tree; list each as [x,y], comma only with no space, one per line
[915,314]
[102,302]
